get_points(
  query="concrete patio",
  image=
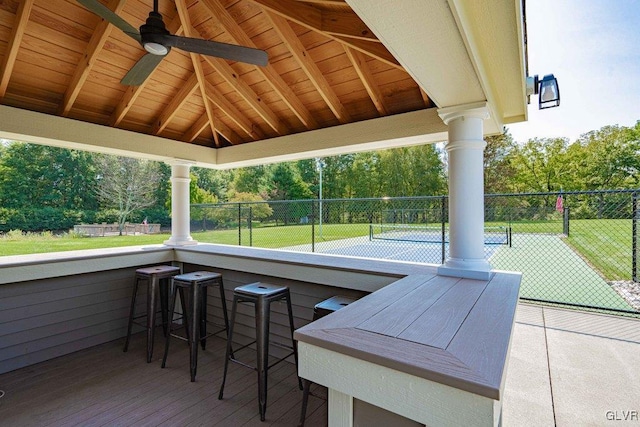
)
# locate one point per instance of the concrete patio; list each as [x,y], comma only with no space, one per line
[571,368]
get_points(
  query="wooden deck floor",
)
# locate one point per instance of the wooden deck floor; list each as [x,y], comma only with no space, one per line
[104,386]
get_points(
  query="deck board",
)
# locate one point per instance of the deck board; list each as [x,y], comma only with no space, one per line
[104,386]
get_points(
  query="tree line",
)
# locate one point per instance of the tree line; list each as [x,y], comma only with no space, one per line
[50,188]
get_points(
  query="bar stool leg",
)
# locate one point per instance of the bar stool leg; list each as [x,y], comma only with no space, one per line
[185,318]
[195,332]
[262,346]
[164,298]
[203,315]
[305,400]
[294,343]
[172,304]
[224,309]
[131,314]
[234,306]
[151,315]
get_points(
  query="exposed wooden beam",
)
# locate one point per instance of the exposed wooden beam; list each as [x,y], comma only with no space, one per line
[178,101]
[9,59]
[299,52]
[99,37]
[291,100]
[203,122]
[343,23]
[292,11]
[189,31]
[249,96]
[233,113]
[234,80]
[132,92]
[360,64]
[425,98]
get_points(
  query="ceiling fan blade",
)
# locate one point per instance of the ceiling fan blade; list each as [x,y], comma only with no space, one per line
[143,69]
[107,14]
[218,49]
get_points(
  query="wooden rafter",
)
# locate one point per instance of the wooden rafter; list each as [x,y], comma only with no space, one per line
[132,92]
[9,59]
[360,64]
[425,98]
[233,113]
[187,89]
[303,58]
[308,17]
[98,38]
[189,31]
[203,122]
[290,99]
[341,23]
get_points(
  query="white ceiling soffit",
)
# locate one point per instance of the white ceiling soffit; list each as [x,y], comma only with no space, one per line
[459,51]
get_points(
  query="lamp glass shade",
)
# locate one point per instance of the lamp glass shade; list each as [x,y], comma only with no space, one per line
[549,92]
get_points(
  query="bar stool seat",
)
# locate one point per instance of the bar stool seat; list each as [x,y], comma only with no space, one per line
[261,295]
[320,310]
[155,277]
[196,316]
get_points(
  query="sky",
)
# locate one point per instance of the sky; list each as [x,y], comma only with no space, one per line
[593,49]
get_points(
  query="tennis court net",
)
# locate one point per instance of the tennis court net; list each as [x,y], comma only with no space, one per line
[419,233]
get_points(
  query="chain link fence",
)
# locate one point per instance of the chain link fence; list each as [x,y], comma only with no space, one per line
[575,249]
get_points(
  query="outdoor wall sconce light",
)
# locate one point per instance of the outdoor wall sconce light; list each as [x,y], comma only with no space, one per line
[547,88]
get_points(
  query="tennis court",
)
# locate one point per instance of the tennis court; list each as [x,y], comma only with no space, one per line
[552,271]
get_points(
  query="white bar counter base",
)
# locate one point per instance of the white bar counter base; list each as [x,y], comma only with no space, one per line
[429,348]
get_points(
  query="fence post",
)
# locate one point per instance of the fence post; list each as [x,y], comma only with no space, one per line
[250,226]
[313,226]
[442,221]
[565,221]
[239,224]
[634,237]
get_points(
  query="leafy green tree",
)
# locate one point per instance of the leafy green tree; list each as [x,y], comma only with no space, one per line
[33,175]
[498,171]
[251,180]
[287,184]
[539,165]
[608,158]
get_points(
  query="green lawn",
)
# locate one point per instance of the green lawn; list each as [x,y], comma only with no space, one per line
[573,269]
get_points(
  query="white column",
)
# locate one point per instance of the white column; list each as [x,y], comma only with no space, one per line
[465,148]
[180,205]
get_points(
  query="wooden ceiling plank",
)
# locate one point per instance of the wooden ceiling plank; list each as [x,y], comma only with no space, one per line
[361,67]
[231,77]
[346,24]
[196,128]
[303,58]
[13,45]
[343,23]
[189,31]
[270,75]
[375,49]
[233,113]
[177,101]
[98,38]
[247,94]
[132,92]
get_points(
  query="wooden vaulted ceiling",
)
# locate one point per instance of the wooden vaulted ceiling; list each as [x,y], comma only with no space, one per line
[325,68]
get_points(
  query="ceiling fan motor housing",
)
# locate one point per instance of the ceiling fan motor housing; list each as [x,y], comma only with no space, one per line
[152,33]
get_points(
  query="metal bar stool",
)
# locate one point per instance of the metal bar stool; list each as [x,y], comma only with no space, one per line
[196,283]
[261,295]
[321,309]
[155,277]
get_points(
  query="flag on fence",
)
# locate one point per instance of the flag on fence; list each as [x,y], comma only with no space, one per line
[559,205]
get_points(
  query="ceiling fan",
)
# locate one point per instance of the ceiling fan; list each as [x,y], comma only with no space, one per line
[157,41]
